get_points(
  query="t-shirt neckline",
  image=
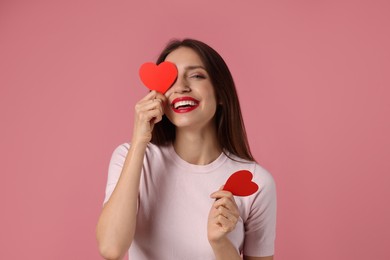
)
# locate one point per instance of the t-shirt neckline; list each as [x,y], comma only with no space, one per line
[195,167]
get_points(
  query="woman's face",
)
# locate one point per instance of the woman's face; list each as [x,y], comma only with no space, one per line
[191,99]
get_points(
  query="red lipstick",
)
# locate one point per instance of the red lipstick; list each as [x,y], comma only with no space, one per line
[184,104]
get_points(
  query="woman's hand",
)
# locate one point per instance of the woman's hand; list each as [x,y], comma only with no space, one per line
[148,111]
[223,216]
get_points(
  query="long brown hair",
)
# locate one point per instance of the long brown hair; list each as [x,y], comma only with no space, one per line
[231,132]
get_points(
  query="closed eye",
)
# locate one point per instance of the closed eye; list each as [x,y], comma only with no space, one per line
[197,76]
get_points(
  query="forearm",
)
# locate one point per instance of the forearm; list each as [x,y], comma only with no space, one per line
[224,250]
[117,222]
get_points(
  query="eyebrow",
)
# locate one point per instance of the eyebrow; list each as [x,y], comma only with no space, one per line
[194,67]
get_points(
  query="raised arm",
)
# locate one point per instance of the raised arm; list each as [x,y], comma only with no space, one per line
[117,222]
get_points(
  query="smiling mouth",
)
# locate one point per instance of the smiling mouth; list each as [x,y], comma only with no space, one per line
[184,104]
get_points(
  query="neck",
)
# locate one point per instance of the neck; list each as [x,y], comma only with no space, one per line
[200,147]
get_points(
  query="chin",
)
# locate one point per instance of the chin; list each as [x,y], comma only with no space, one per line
[182,123]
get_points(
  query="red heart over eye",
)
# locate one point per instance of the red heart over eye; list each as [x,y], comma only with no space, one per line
[240,183]
[158,77]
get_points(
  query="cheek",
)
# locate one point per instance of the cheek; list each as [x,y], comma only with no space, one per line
[210,106]
[211,99]
[168,93]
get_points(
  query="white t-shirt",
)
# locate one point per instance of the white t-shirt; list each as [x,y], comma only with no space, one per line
[174,203]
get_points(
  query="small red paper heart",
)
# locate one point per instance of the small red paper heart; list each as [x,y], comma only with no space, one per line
[158,77]
[240,183]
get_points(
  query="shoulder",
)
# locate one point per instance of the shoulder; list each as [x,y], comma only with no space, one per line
[153,153]
[123,149]
[264,175]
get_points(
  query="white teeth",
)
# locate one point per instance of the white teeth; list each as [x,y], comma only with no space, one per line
[184,103]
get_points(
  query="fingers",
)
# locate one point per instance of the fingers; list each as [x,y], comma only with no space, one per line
[226,215]
[148,111]
[154,95]
[149,96]
[226,205]
[221,193]
[161,97]
[148,105]
[224,219]
[153,100]
[224,198]
[225,223]
[224,212]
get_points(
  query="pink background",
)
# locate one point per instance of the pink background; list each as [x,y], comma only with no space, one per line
[312,76]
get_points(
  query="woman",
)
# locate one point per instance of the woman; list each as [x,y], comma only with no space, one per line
[164,196]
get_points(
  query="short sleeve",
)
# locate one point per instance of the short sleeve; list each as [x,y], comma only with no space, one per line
[117,161]
[260,227]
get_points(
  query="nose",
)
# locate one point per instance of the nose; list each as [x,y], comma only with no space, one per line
[180,86]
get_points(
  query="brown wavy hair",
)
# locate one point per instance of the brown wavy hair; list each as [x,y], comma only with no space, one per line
[231,132]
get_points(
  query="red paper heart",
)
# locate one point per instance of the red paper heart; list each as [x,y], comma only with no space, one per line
[158,77]
[240,183]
